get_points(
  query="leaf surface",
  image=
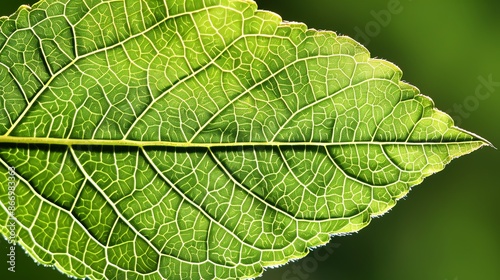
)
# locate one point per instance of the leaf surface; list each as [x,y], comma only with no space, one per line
[199,139]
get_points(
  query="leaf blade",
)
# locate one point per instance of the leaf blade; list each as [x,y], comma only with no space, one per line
[298,132]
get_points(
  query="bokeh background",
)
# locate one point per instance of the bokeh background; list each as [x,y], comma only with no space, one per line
[448,228]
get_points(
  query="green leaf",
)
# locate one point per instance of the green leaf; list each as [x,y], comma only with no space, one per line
[199,139]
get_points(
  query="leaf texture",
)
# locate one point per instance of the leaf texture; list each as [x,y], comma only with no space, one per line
[187,139]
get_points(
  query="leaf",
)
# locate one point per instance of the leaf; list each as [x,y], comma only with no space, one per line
[199,139]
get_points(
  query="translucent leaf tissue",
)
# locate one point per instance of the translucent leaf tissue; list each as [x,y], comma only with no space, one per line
[205,139]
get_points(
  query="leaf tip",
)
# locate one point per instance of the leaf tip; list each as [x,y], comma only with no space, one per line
[487,143]
[482,140]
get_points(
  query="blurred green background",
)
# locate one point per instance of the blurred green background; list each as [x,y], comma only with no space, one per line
[448,228]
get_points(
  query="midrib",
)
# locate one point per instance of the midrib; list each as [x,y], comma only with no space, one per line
[137,143]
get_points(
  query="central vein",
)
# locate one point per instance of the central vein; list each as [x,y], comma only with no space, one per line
[138,143]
